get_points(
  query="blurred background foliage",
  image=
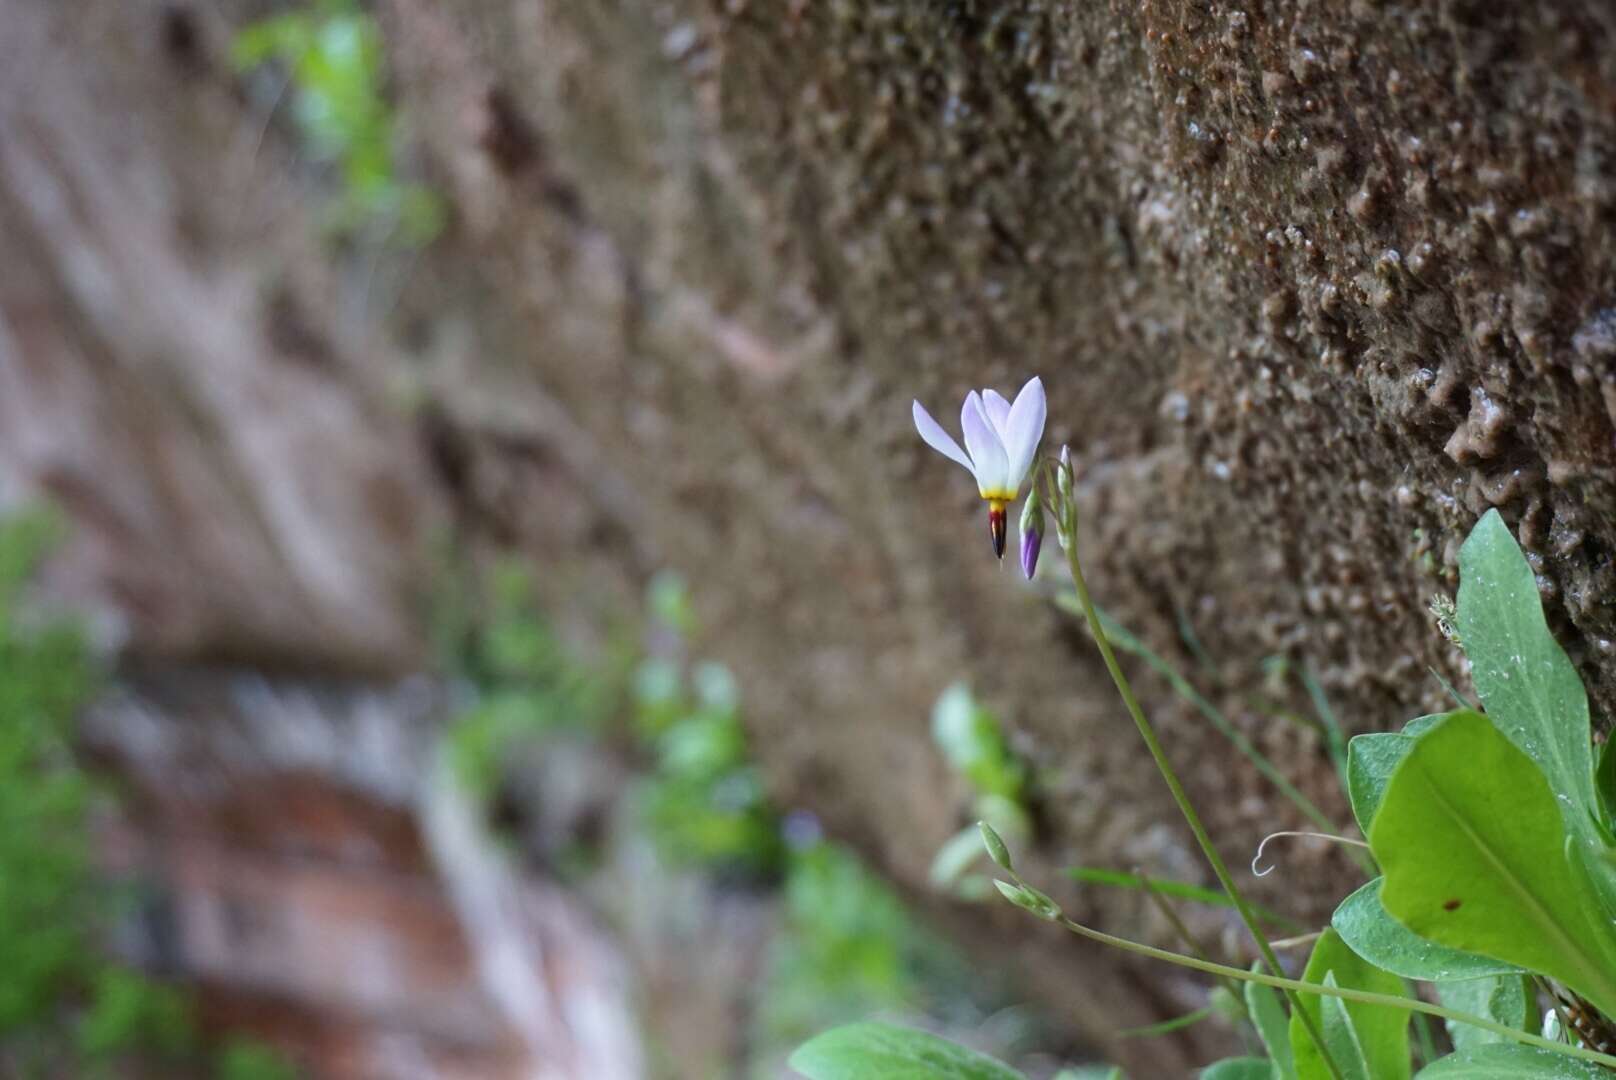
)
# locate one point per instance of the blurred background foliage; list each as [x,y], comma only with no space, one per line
[844,944]
[67,1008]
[327,59]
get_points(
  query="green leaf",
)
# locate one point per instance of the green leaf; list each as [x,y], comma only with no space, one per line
[1240,1068]
[1273,1027]
[1511,1061]
[870,1051]
[1367,1042]
[1475,857]
[1367,928]
[955,857]
[243,1060]
[1504,998]
[1371,760]
[1525,680]
[1164,1027]
[970,737]
[1341,1036]
[1605,780]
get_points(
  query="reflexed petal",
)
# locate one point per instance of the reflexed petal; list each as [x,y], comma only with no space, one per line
[938,439]
[1024,430]
[998,410]
[987,451]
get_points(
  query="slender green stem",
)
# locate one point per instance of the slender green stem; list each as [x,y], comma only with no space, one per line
[1153,744]
[1185,935]
[1121,638]
[1293,987]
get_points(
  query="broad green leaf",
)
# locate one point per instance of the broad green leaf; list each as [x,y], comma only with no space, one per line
[1367,928]
[1504,998]
[1421,724]
[1273,1027]
[1367,1042]
[1475,857]
[1240,1068]
[870,1051]
[1511,1061]
[1091,1072]
[1525,680]
[1371,760]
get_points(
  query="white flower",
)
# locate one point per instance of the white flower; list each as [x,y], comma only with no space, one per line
[1002,438]
[1003,443]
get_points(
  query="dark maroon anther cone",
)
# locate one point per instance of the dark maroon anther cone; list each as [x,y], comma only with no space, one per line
[1030,543]
[996,525]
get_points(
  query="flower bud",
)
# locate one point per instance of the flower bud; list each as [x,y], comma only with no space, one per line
[1065,504]
[995,845]
[1032,531]
[1025,896]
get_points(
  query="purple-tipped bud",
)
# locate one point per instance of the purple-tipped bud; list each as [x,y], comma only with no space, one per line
[1030,545]
[1032,531]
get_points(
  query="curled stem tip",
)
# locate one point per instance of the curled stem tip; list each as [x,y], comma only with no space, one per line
[1265,871]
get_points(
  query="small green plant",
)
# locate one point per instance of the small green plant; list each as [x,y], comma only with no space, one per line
[866,1050]
[974,744]
[703,802]
[244,1060]
[65,1009]
[1494,835]
[524,682]
[848,947]
[331,53]
[45,873]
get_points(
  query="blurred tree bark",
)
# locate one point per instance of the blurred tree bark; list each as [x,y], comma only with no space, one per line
[1311,287]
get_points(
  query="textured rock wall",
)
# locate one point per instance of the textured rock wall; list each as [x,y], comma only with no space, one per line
[1311,287]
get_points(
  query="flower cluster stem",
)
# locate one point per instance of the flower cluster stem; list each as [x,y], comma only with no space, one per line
[1153,744]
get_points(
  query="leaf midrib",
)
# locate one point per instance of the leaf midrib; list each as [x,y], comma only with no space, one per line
[1523,891]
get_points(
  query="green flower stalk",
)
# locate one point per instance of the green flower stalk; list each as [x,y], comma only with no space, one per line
[1152,743]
